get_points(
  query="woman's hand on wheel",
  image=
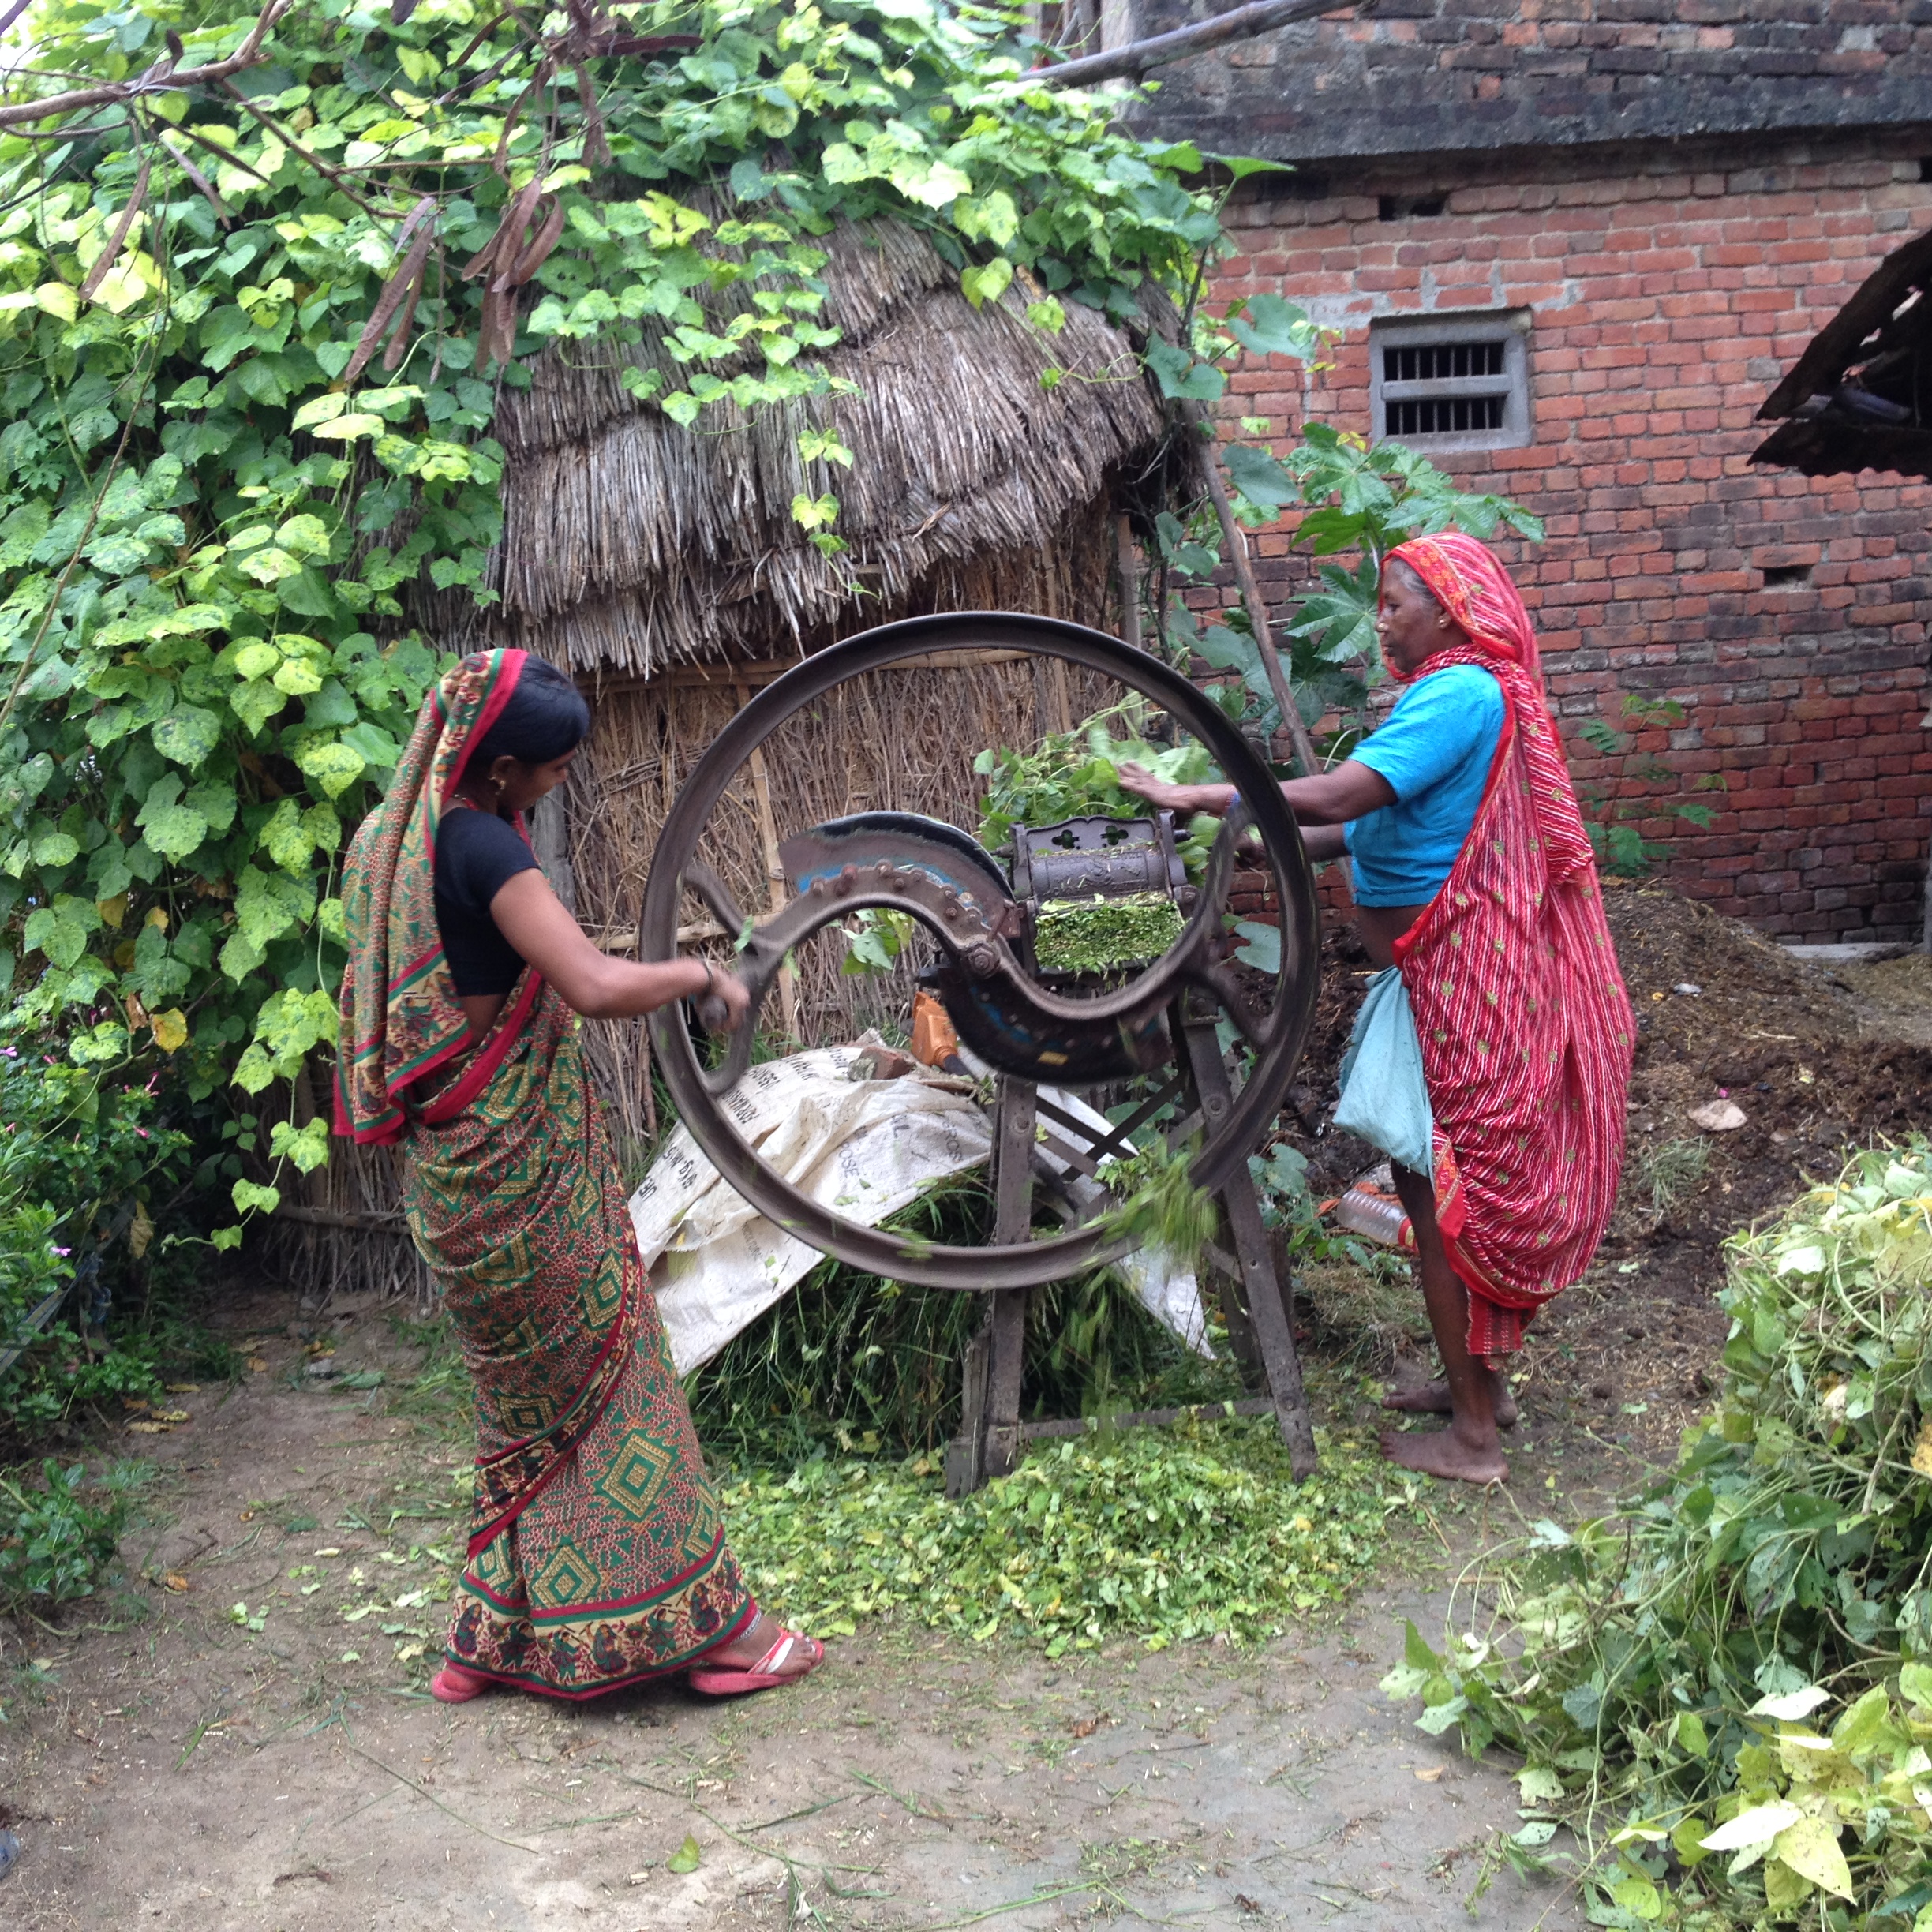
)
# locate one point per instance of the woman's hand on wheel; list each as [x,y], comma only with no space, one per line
[726,989]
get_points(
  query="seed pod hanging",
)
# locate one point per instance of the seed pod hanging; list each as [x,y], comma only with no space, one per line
[398,341]
[405,279]
[201,182]
[111,253]
[509,233]
[597,152]
[519,268]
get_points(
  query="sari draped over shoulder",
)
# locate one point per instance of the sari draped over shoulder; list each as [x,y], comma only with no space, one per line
[596,1552]
[1520,1008]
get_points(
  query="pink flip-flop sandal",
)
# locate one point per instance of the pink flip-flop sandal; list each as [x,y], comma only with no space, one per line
[728,1681]
[452,1684]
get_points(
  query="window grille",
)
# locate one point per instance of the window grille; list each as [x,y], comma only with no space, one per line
[1451,382]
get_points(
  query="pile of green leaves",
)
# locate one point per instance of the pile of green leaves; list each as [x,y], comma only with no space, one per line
[849,1360]
[1098,934]
[1075,774]
[1162,1535]
[1668,1672]
[249,354]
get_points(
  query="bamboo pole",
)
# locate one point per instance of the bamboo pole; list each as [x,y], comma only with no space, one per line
[1063,703]
[1129,581]
[1236,538]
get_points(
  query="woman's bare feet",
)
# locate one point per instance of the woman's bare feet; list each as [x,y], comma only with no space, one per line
[1445,1453]
[1432,1399]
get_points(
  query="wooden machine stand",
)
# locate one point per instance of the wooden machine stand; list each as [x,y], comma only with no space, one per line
[1257,1308]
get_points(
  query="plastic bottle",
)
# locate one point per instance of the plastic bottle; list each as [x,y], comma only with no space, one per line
[1371,1214]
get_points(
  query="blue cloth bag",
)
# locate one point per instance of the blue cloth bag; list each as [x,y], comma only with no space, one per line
[1384,1096]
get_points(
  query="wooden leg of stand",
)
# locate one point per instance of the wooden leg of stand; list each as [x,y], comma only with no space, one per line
[1230,1290]
[1013,1220]
[1266,1306]
[989,1442]
[965,1455]
[1233,1291]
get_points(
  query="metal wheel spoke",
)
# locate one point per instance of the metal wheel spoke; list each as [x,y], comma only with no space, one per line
[717,897]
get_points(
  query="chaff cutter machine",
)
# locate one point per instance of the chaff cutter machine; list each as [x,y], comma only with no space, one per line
[1034,1028]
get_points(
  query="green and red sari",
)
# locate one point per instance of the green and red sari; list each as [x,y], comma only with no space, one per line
[597,1555]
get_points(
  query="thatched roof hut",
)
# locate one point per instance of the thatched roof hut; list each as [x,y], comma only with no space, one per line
[632,544]
[663,567]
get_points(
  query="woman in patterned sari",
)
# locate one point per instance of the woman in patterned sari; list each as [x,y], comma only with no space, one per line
[1474,880]
[597,1556]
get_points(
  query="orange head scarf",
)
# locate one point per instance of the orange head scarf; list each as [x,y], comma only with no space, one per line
[1467,579]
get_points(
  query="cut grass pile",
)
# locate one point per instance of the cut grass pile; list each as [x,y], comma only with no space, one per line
[1724,1688]
[1162,1535]
[1097,935]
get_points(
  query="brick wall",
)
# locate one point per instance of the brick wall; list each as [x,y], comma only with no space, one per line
[1669,292]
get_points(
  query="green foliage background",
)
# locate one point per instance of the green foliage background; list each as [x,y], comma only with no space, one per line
[213,514]
[1727,1689]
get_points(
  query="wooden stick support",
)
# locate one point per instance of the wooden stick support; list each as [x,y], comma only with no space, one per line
[774,874]
[1262,1302]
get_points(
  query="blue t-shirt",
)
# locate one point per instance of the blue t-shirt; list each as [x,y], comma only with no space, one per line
[1434,750]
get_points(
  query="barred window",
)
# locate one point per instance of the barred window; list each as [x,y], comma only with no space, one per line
[1451,382]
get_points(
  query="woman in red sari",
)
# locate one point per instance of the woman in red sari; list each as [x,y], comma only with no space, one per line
[1475,879]
[597,1555]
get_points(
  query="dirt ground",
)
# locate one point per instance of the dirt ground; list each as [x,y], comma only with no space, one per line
[242,1737]
[178,1766]
[1815,1058]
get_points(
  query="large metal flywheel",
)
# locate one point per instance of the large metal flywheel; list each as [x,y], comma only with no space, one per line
[1034,1034]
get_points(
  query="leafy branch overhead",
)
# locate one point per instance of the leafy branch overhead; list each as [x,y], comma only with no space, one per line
[1343,496]
[261,281]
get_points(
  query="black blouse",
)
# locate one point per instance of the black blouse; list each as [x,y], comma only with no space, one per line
[477,853]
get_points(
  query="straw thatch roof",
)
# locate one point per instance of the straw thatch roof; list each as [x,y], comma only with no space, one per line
[630,542]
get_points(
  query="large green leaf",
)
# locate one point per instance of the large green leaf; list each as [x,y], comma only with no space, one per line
[1274,326]
[171,827]
[62,930]
[1182,376]
[188,734]
[333,765]
[1259,477]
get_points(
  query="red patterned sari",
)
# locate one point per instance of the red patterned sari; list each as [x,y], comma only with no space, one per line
[1525,1027]
[597,1555]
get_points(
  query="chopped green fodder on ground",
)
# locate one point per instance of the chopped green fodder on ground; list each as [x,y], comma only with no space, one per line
[1726,1689]
[1098,934]
[1161,1535]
